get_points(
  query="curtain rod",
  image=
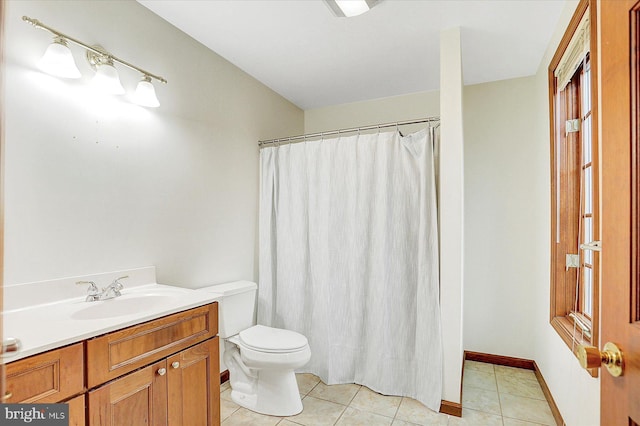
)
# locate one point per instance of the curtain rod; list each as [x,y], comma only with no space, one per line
[429,120]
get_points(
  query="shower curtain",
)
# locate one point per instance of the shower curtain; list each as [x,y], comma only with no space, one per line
[349,258]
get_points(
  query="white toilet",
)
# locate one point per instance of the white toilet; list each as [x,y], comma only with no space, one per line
[261,360]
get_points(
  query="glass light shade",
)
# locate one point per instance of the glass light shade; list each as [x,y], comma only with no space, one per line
[58,60]
[107,80]
[145,94]
[352,7]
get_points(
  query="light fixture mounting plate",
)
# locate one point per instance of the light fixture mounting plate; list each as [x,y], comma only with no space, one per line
[96,59]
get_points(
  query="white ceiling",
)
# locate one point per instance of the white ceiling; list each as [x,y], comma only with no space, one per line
[302,51]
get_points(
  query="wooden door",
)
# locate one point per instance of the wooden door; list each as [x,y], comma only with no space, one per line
[620,144]
[139,398]
[194,386]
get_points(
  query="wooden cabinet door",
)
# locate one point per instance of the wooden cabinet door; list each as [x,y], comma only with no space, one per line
[194,385]
[137,399]
[76,411]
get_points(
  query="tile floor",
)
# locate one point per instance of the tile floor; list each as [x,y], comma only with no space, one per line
[492,395]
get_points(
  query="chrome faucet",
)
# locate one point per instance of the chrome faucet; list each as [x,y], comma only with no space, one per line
[109,292]
[113,289]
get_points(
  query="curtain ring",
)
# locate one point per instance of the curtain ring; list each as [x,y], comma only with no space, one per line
[321,136]
[289,140]
[378,129]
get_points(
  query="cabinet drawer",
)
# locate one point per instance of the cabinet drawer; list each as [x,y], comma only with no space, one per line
[48,377]
[122,351]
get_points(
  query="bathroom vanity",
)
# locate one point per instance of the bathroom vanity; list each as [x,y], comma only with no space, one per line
[160,368]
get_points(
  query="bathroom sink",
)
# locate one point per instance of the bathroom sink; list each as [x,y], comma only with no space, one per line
[121,306]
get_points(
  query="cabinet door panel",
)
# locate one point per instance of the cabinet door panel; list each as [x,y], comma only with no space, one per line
[47,377]
[139,398]
[194,386]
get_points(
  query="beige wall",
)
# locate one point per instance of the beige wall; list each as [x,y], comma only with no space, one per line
[506,216]
[385,110]
[99,185]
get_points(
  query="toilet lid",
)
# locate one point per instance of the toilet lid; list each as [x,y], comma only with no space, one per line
[269,339]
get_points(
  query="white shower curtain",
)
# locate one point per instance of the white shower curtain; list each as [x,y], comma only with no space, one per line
[349,258]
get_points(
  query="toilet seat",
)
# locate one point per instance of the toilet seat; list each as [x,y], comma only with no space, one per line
[261,338]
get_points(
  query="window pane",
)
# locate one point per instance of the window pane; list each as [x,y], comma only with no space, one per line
[588,256]
[586,91]
[587,230]
[586,140]
[587,285]
[588,191]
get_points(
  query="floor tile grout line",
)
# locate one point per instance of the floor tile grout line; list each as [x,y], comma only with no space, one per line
[340,416]
[495,377]
[533,423]
[354,395]
[397,409]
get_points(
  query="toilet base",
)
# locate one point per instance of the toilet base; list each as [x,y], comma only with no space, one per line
[276,394]
[272,391]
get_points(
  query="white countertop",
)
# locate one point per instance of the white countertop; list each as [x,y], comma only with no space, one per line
[48,326]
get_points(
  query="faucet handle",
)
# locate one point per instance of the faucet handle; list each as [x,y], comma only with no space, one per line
[93,288]
[117,282]
[92,292]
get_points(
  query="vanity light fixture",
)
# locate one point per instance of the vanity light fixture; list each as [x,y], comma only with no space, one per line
[106,79]
[58,61]
[350,8]
[145,94]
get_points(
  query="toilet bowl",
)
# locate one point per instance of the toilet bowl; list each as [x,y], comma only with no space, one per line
[261,360]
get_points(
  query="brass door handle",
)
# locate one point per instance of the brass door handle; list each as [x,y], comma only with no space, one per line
[610,357]
[6,396]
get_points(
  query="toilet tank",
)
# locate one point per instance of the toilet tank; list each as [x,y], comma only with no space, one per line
[237,308]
